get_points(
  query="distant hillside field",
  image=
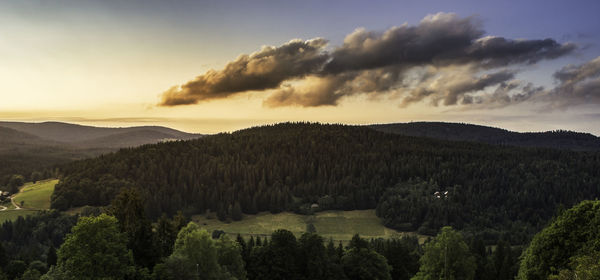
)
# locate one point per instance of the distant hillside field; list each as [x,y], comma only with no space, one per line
[337,225]
[36,196]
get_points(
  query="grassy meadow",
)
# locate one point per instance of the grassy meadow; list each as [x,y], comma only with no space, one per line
[35,197]
[337,225]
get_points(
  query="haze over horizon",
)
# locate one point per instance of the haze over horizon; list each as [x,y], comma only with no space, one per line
[214,66]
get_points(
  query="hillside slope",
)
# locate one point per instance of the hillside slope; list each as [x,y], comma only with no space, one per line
[74,133]
[476,133]
[10,137]
[28,147]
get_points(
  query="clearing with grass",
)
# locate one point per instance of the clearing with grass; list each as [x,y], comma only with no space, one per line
[35,197]
[337,225]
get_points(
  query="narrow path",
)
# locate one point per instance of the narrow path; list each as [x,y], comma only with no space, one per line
[2,208]
[12,198]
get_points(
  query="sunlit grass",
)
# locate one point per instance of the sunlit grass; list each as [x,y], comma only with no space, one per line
[36,196]
[337,225]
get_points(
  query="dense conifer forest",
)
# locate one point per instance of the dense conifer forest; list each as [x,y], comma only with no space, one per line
[492,191]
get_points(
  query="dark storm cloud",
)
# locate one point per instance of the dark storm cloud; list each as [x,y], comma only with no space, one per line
[265,69]
[372,63]
[578,84]
[440,40]
[437,36]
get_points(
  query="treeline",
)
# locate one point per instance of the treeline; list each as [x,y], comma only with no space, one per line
[494,192]
[97,247]
[29,243]
[113,246]
[18,168]
[558,139]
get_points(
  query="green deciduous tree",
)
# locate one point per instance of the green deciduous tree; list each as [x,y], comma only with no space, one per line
[447,257]
[95,249]
[229,254]
[31,274]
[574,234]
[197,256]
[586,267]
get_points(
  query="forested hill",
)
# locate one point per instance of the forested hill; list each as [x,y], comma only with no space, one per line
[82,136]
[26,148]
[493,190]
[560,139]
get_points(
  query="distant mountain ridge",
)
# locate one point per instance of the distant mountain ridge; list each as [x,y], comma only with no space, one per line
[28,147]
[560,139]
[98,137]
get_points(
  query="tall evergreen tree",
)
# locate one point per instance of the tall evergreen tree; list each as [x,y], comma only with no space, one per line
[128,208]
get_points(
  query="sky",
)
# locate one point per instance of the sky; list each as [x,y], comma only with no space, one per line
[213,66]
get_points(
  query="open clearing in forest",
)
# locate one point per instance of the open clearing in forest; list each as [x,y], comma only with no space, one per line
[35,197]
[337,225]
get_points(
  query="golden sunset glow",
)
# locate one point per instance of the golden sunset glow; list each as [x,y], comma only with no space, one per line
[108,64]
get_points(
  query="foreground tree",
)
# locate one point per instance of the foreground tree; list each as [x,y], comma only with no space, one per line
[197,256]
[128,208]
[565,245]
[360,262]
[277,259]
[584,268]
[95,249]
[229,257]
[315,263]
[165,236]
[447,257]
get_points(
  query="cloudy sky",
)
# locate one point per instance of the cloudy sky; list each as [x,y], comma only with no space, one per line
[210,66]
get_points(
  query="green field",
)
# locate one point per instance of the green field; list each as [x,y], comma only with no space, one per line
[337,225]
[36,196]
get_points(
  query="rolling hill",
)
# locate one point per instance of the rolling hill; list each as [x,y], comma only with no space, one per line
[28,147]
[10,137]
[495,191]
[98,137]
[560,139]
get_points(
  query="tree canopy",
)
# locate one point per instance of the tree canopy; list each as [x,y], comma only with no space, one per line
[447,257]
[95,249]
[566,245]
